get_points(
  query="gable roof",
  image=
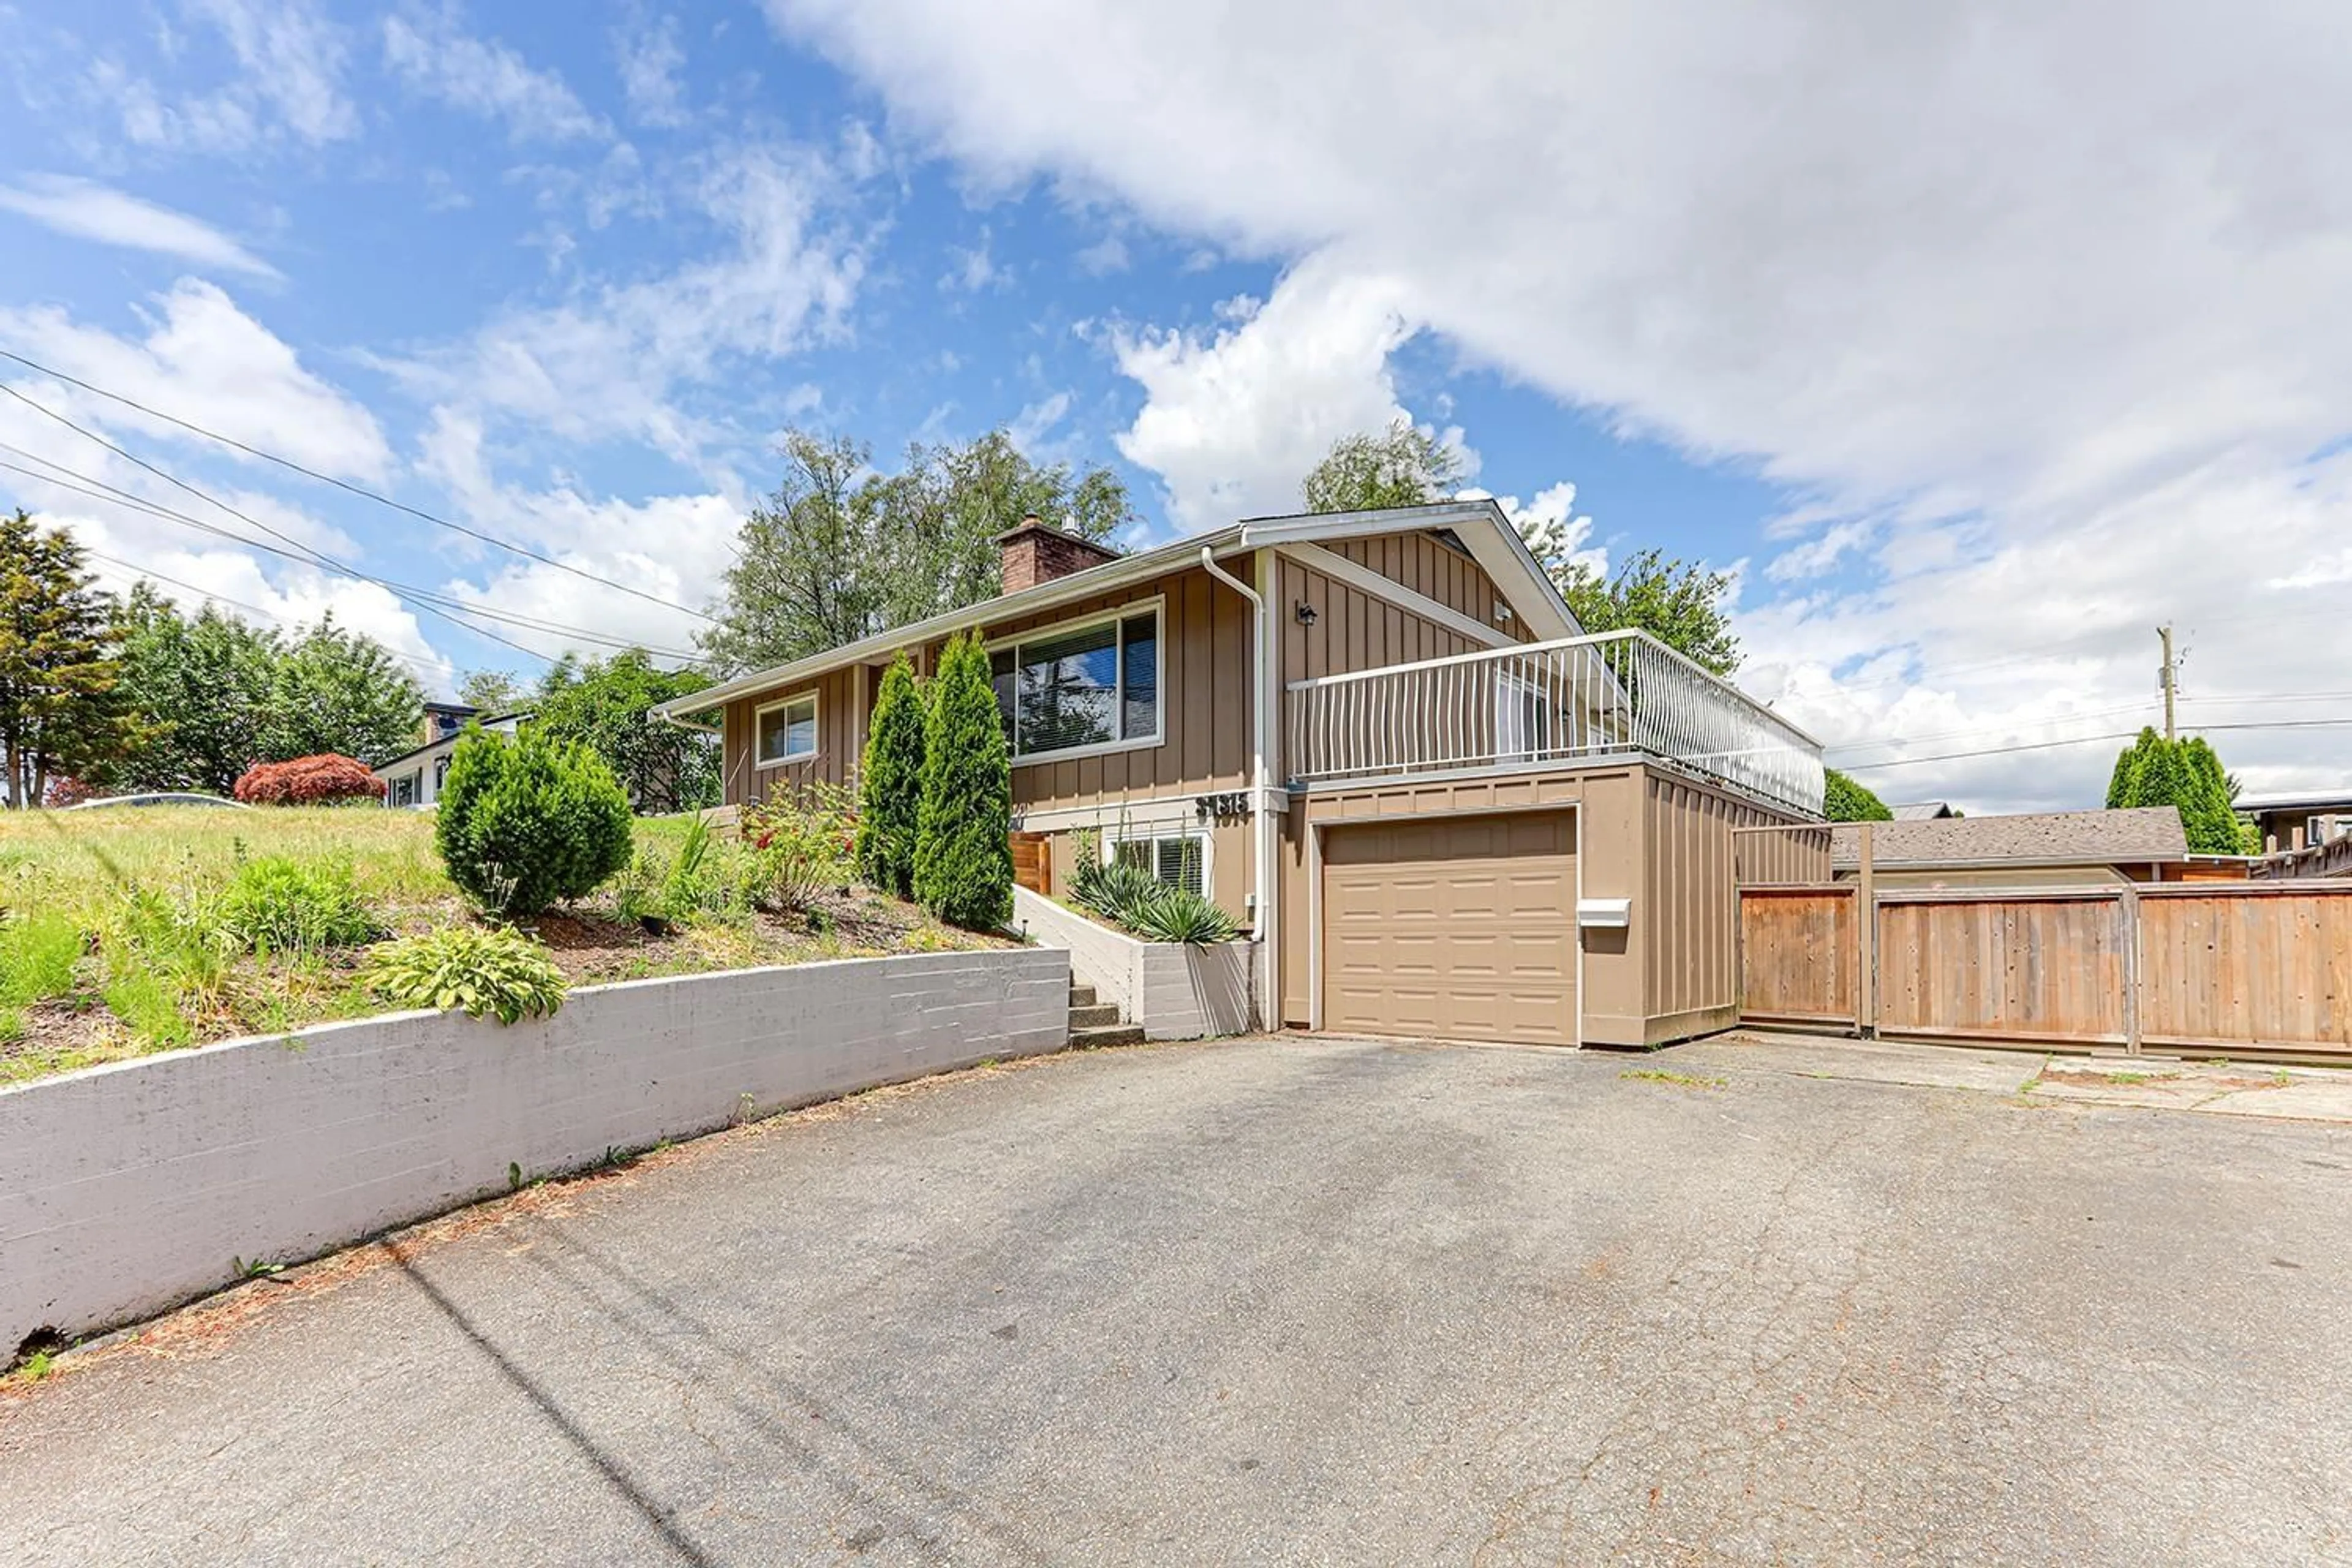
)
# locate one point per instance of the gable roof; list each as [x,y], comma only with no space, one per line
[452,738]
[1483,527]
[1923,811]
[2040,839]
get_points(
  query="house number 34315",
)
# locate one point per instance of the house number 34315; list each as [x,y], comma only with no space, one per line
[1224,807]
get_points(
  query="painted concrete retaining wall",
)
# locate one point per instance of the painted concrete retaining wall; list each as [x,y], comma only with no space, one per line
[1177,991]
[126,1189]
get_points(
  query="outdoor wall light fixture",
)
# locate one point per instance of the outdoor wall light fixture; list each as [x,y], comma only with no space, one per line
[1303,613]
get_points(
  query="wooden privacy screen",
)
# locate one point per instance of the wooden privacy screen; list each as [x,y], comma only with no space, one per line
[1033,861]
[2233,968]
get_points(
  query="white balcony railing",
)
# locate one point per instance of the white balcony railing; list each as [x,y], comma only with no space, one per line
[1579,697]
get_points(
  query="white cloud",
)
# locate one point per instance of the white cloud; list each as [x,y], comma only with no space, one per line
[290,61]
[207,361]
[1550,526]
[2033,290]
[1104,257]
[649,58]
[609,361]
[1233,419]
[674,547]
[434,56]
[1031,426]
[90,211]
[975,269]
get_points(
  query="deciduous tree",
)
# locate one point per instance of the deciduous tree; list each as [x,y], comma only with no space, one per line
[342,691]
[201,685]
[841,551]
[1842,800]
[607,706]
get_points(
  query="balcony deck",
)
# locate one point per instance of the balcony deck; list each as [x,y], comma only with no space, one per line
[1588,697]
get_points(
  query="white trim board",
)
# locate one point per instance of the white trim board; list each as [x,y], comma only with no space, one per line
[1364,580]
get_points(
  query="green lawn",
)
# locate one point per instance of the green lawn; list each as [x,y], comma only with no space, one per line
[110,943]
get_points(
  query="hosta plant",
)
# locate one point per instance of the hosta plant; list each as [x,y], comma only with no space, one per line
[484,970]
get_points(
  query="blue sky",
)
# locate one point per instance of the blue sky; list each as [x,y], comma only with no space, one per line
[1974,373]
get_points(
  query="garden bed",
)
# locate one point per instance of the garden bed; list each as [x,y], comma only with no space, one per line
[106,951]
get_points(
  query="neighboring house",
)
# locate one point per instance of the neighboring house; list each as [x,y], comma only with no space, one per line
[1379,738]
[2043,849]
[2300,821]
[1923,811]
[413,781]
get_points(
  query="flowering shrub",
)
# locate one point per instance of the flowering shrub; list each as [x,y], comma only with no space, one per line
[67,791]
[804,845]
[309,781]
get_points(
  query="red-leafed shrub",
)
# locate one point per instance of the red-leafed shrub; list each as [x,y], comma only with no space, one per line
[67,790]
[309,781]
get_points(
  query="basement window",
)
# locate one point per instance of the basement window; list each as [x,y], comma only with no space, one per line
[1177,859]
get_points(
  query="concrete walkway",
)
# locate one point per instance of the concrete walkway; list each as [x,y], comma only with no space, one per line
[2157,1083]
[1287,1302]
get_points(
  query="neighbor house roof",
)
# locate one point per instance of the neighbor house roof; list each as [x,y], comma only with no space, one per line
[2339,801]
[450,740]
[1483,527]
[2137,834]
[1923,811]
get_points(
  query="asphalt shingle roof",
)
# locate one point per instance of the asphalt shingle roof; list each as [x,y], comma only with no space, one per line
[2039,838]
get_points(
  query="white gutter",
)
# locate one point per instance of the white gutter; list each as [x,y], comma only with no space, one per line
[1263,881]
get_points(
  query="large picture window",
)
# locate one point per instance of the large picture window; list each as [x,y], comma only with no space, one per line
[1085,686]
[786,731]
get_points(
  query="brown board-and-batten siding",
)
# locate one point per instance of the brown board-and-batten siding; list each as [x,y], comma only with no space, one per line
[840,730]
[1436,571]
[1204,687]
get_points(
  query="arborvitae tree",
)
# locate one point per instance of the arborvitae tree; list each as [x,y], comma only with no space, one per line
[963,851]
[890,783]
[1842,800]
[2188,776]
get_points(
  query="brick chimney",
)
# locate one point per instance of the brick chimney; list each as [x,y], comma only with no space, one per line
[1036,553]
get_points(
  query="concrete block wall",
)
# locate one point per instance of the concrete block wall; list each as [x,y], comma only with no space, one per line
[1175,990]
[126,1189]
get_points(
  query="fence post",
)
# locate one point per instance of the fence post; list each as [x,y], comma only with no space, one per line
[1865,923]
[2128,902]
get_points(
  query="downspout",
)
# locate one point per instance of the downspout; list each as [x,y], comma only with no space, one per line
[1265,847]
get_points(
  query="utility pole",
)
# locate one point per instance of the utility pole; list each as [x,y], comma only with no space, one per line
[2168,677]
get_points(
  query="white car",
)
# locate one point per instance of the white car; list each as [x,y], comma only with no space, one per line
[161,797]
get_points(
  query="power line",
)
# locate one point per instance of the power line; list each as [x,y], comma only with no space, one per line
[360,490]
[2092,739]
[307,555]
[410,659]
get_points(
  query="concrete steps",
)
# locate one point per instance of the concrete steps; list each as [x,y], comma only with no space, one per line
[1094,1023]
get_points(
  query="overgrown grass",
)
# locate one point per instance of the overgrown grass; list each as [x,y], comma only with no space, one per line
[132,930]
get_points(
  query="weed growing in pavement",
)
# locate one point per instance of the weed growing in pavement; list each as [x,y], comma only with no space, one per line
[1679,1079]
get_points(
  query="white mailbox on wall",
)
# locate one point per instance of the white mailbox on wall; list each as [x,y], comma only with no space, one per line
[1616,913]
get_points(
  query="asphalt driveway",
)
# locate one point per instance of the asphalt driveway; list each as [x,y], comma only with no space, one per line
[1284,1302]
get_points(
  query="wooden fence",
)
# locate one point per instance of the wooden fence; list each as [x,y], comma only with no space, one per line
[2243,968]
[1033,861]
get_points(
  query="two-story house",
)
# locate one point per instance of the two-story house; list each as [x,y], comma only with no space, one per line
[1381,740]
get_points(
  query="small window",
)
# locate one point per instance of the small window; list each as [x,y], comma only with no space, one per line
[1180,861]
[1068,688]
[787,730]
[403,790]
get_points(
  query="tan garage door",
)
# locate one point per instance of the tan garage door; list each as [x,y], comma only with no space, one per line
[1459,928]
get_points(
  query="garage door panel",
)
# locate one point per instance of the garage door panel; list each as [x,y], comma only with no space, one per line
[1462,927]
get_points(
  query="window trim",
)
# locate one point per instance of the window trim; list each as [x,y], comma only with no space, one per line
[1158,604]
[814,697]
[1154,836]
